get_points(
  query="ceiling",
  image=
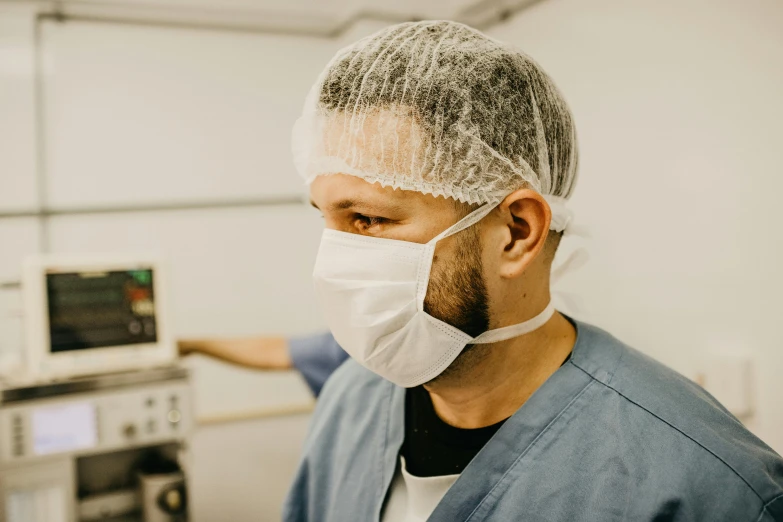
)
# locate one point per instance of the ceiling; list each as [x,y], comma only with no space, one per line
[322,18]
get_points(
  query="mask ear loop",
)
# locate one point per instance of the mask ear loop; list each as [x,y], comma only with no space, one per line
[468,221]
[425,262]
[556,203]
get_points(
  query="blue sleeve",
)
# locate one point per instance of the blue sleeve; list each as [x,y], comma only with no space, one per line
[316,357]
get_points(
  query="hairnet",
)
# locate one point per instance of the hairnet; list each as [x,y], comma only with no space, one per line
[439,108]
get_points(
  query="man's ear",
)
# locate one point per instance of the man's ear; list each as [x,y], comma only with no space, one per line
[526,216]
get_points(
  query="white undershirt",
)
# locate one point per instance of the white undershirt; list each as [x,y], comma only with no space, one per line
[413,499]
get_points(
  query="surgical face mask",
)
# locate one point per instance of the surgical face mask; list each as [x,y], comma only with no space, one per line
[372,291]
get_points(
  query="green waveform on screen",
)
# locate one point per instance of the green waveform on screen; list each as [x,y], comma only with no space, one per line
[143,277]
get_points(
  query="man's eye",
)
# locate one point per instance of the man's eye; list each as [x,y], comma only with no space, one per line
[365,222]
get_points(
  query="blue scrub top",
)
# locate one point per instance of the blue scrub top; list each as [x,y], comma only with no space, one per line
[316,357]
[611,436]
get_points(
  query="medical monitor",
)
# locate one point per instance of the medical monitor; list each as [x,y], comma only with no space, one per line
[94,315]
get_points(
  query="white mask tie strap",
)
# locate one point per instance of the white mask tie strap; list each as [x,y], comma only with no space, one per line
[515,330]
[469,220]
[561,217]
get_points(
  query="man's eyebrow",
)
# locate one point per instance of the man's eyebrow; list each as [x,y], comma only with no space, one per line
[346,204]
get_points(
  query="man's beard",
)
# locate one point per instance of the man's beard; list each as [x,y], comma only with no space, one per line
[457,295]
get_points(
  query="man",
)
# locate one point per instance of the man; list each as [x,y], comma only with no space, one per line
[442,161]
[315,357]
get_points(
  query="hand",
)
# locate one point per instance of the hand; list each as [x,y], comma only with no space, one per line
[187,347]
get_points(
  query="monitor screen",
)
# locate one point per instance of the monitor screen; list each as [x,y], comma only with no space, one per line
[66,427]
[101,309]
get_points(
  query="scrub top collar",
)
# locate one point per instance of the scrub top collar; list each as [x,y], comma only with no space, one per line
[485,476]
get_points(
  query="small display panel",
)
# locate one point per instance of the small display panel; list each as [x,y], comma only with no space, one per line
[101,309]
[64,428]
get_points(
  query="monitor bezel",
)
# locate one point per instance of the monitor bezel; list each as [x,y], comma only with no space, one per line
[43,364]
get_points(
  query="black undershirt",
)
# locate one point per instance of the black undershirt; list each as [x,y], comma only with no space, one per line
[432,447]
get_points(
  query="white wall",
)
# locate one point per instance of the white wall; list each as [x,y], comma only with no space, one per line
[678,107]
[17,118]
[142,115]
[18,236]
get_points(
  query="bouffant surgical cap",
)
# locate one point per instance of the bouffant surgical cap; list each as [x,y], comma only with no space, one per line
[439,108]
